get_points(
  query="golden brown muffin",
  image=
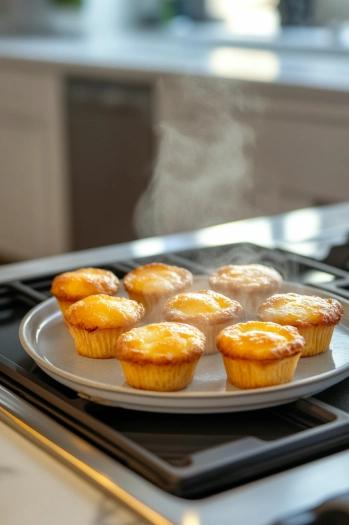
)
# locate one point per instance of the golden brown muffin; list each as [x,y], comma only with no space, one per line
[208,311]
[249,284]
[154,283]
[160,356]
[257,354]
[70,287]
[97,321]
[314,317]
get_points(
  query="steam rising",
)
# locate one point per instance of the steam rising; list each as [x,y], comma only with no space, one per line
[247,254]
[204,172]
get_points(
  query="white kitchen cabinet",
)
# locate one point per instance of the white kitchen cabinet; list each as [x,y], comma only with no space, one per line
[222,157]
[231,150]
[34,206]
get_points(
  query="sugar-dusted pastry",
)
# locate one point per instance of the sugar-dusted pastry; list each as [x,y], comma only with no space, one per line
[208,311]
[314,317]
[257,354]
[249,284]
[154,283]
[160,356]
[97,321]
[70,287]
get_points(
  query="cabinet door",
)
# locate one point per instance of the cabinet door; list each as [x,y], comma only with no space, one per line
[255,150]
[22,167]
[34,218]
[111,156]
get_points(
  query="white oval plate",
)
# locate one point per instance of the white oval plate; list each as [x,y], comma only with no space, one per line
[47,340]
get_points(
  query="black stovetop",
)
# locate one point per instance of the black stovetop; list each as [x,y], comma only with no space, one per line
[190,455]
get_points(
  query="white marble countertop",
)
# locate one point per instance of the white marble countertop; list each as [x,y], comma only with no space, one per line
[154,53]
[36,489]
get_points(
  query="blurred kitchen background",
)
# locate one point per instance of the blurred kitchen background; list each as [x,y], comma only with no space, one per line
[123,119]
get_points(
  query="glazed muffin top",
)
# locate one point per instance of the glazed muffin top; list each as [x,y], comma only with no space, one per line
[75,285]
[157,279]
[246,278]
[301,310]
[201,306]
[161,344]
[260,341]
[103,312]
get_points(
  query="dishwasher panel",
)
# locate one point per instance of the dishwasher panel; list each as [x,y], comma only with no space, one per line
[111,150]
